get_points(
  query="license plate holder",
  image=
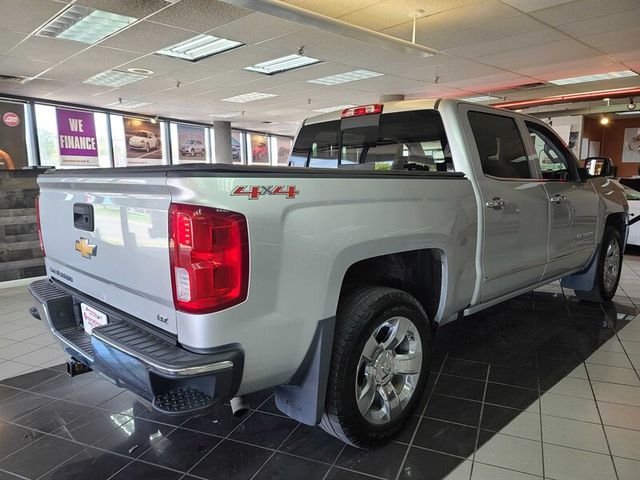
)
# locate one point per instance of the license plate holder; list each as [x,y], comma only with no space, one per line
[92,318]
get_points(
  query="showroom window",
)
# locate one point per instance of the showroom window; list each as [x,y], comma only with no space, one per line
[238,150]
[138,141]
[72,138]
[15,143]
[258,149]
[500,146]
[280,150]
[190,143]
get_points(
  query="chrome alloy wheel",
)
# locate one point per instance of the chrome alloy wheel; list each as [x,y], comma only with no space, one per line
[611,264]
[388,370]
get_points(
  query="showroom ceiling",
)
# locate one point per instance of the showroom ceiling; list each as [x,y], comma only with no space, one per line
[509,48]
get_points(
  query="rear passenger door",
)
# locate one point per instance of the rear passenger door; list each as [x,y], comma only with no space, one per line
[515,209]
[573,203]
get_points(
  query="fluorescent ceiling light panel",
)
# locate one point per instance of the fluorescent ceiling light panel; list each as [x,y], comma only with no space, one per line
[227,115]
[594,78]
[282,64]
[128,103]
[249,97]
[632,112]
[346,77]
[199,47]
[333,109]
[114,78]
[480,98]
[84,24]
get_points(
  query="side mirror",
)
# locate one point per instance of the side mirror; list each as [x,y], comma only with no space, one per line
[598,166]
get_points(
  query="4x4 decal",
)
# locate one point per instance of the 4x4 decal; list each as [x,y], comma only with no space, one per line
[255,191]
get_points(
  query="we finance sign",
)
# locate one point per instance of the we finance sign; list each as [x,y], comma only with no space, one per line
[77,138]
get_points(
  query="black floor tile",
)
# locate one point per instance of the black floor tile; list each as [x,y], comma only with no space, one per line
[219,421]
[232,460]
[446,437]
[90,463]
[125,402]
[407,431]
[9,476]
[508,396]
[92,426]
[457,410]
[269,406]
[460,387]
[496,418]
[282,466]
[99,392]
[314,443]
[465,368]
[383,462]
[13,438]
[264,430]
[181,449]
[517,376]
[134,437]
[63,385]
[427,465]
[31,379]
[148,413]
[21,404]
[7,392]
[40,456]
[337,473]
[52,416]
[141,471]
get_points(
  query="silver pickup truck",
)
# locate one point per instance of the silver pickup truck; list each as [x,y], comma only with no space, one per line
[194,284]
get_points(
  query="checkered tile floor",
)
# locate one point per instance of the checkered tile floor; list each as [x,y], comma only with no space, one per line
[543,386]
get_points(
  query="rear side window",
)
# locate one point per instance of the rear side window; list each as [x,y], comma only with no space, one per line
[404,141]
[501,149]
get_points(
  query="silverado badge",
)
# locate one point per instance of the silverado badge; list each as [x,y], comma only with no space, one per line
[85,248]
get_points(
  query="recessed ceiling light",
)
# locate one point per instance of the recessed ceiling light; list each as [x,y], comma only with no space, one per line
[282,64]
[333,109]
[84,24]
[227,114]
[114,78]
[346,77]
[249,97]
[594,78]
[199,47]
[140,71]
[480,98]
[128,103]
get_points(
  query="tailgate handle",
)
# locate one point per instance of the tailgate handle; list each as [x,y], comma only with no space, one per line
[83,216]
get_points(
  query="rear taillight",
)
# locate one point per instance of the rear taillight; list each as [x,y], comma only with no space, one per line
[39,226]
[209,252]
[361,110]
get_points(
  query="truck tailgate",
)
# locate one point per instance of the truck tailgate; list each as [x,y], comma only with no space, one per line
[123,258]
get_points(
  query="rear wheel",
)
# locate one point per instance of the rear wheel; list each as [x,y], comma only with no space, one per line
[379,365]
[609,269]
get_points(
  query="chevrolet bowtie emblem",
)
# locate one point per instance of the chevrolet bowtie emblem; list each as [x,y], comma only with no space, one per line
[85,248]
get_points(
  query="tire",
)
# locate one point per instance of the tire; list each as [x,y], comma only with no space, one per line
[192,152]
[147,147]
[608,271]
[371,317]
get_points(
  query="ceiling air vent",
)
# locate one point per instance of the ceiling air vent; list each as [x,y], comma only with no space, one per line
[530,86]
[12,78]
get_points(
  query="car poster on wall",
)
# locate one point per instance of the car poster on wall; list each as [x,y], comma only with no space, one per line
[631,145]
[143,142]
[192,144]
[13,146]
[77,139]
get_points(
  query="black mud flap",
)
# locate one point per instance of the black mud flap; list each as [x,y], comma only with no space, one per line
[303,397]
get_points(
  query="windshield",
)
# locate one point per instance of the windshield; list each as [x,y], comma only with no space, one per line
[141,134]
[412,140]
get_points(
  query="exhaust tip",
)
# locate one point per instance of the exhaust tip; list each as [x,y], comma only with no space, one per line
[239,406]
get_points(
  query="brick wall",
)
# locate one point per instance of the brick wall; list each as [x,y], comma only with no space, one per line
[20,255]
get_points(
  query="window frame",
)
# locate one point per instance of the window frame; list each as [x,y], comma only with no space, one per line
[546,132]
[534,173]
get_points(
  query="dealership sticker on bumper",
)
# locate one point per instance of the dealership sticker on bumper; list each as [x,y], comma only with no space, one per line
[92,318]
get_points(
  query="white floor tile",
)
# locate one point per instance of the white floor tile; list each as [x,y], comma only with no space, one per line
[629,335]
[25,333]
[579,372]
[574,434]
[631,347]
[603,373]
[617,415]
[489,472]
[44,340]
[526,425]
[612,345]
[10,369]
[624,442]
[612,359]
[573,387]
[627,469]
[41,356]
[561,463]
[614,393]
[569,407]
[16,349]
[513,453]
[461,472]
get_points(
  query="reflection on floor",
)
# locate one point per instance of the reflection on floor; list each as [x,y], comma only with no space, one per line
[543,386]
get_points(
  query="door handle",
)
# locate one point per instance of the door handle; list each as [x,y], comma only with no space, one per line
[558,199]
[497,203]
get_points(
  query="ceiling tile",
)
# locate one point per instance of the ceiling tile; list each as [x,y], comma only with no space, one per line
[533,5]
[147,37]
[256,28]
[47,49]
[104,58]
[76,74]
[332,9]
[199,15]
[131,8]
[583,10]
[606,23]
[8,40]
[612,42]
[26,15]
[22,67]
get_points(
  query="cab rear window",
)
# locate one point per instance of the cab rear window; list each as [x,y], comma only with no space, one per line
[404,141]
